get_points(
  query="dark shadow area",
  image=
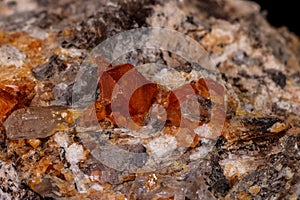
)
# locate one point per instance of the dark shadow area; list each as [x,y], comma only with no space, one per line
[282,13]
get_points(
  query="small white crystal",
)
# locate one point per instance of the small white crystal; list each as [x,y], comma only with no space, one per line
[62,139]
[162,146]
[10,55]
[74,153]
[79,178]
[204,131]
[97,187]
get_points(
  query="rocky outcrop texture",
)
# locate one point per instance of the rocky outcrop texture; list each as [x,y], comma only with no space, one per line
[170,145]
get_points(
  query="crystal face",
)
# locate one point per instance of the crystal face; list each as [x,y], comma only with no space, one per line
[14,95]
[7,103]
[127,98]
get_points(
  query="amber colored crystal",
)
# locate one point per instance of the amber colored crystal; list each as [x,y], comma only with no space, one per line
[176,99]
[14,95]
[135,106]
[201,88]
[109,78]
[142,99]
[173,110]
[100,111]
[41,167]
[7,103]
[126,97]
[131,100]
[34,142]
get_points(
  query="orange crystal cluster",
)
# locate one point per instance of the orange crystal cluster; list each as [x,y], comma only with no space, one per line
[126,98]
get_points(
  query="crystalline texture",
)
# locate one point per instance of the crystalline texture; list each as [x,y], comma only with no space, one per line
[7,103]
[33,122]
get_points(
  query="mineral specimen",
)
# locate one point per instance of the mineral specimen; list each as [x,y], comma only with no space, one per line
[155,125]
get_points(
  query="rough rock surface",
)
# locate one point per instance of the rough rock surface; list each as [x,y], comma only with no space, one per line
[42,46]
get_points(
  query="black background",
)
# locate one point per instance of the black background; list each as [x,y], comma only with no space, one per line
[282,13]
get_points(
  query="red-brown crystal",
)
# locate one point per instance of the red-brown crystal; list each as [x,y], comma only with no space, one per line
[126,97]
[14,95]
[7,103]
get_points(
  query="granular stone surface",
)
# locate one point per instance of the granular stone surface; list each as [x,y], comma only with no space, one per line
[227,131]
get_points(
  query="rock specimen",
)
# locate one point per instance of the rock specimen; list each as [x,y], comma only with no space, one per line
[155,124]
